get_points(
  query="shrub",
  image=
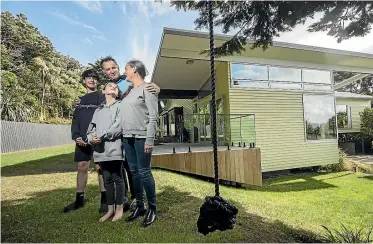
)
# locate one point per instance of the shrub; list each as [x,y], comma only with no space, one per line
[340,166]
[348,236]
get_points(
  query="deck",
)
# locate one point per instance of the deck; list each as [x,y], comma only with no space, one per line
[239,164]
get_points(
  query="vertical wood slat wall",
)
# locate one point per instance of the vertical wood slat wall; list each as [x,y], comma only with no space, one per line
[238,165]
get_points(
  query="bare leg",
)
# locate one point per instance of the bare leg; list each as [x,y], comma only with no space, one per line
[82,177]
[109,213]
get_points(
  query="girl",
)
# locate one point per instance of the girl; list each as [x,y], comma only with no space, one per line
[104,132]
[139,113]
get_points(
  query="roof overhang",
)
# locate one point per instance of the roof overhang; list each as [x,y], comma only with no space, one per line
[179,48]
[351,95]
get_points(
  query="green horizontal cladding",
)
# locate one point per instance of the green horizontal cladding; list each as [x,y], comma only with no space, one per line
[357,105]
[187,104]
[279,129]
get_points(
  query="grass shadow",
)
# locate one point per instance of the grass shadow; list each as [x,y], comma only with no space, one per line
[54,164]
[294,183]
[368,177]
[38,219]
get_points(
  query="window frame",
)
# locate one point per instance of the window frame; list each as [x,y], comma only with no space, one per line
[304,119]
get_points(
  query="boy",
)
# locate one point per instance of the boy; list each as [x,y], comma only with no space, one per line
[83,152]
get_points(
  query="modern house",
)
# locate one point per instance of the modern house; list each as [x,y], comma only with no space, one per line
[283,100]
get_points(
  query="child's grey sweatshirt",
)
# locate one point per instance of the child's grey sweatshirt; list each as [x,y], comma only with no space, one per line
[106,125]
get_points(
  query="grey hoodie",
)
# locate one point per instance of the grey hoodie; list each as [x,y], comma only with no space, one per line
[139,113]
[106,124]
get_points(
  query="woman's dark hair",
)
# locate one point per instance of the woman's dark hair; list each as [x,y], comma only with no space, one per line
[139,67]
[90,73]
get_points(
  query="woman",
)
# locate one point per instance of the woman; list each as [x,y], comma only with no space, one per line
[104,133]
[139,113]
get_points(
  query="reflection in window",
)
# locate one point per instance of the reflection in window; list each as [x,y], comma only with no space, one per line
[316,76]
[319,117]
[343,116]
[286,85]
[285,74]
[249,72]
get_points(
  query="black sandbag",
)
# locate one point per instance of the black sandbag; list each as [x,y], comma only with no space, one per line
[216,214]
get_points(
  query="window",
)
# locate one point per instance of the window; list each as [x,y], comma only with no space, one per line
[319,117]
[316,76]
[285,74]
[314,87]
[252,84]
[343,116]
[287,86]
[249,72]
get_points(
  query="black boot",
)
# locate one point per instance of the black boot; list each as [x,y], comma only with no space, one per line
[150,217]
[138,212]
[79,202]
[103,207]
[133,205]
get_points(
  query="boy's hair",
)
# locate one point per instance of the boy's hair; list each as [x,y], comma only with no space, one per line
[107,59]
[90,73]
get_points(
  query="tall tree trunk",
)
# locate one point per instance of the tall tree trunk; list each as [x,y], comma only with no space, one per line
[42,98]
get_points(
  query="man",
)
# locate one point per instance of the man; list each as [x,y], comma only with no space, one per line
[83,152]
[111,70]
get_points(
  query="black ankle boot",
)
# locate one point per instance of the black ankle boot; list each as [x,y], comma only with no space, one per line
[150,217]
[138,212]
[79,202]
[103,207]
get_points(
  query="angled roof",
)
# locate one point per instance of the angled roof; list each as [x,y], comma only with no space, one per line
[351,95]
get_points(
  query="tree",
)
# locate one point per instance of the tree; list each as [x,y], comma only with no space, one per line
[35,77]
[261,21]
[362,86]
[366,124]
[15,101]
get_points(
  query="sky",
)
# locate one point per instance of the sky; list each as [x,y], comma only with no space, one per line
[88,30]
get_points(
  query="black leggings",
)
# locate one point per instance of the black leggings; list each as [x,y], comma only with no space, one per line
[127,175]
[113,173]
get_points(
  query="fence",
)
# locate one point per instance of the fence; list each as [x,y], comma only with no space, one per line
[19,136]
[196,128]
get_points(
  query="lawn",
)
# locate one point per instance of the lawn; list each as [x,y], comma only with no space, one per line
[37,184]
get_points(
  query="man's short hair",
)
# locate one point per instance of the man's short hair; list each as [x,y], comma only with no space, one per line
[107,59]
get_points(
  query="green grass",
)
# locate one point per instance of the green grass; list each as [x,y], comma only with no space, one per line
[37,184]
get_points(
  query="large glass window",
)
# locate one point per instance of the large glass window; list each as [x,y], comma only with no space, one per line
[343,116]
[319,117]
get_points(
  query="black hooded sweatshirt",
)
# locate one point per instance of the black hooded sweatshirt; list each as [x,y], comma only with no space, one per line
[84,112]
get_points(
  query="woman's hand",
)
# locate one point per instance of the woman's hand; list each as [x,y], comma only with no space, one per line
[148,148]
